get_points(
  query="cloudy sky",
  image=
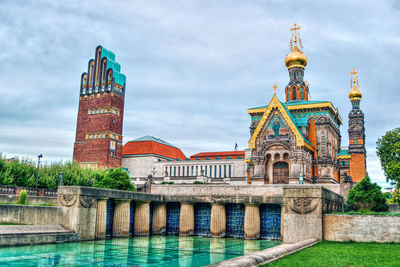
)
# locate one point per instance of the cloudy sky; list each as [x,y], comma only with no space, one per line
[193,67]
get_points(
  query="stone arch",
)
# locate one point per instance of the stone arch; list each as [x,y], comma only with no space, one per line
[302,92]
[275,153]
[294,92]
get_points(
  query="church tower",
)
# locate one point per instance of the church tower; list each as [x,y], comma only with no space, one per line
[356,132]
[98,141]
[296,61]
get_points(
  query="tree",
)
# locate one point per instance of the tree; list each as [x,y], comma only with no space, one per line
[388,151]
[116,178]
[366,196]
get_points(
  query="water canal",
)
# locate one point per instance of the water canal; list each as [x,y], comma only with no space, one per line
[138,251]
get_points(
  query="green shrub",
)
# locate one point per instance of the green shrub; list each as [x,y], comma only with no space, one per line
[163,182]
[115,178]
[23,197]
[170,182]
[366,196]
[198,182]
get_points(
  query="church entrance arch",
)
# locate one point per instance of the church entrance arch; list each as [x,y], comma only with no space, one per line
[281,173]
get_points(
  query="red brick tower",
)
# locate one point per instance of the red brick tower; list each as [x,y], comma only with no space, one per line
[98,141]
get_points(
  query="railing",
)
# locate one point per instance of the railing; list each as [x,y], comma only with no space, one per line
[15,190]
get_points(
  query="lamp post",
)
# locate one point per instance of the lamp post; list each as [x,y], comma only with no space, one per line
[317,167]
[37,173]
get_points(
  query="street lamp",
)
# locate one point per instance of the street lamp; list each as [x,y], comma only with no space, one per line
[317,167]
[37,173]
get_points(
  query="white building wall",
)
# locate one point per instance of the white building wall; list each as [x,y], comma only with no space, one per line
[223,170]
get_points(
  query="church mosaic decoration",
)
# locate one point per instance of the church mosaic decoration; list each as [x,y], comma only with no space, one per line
[276,129]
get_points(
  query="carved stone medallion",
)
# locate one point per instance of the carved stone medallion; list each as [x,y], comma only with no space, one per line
[302,205]
[67,200]
[87,201]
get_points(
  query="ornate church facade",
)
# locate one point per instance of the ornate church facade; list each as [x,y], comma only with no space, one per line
[298,141]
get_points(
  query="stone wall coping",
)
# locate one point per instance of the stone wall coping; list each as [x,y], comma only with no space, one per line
[102,193]
[359,215]
[313,191]
[267,255]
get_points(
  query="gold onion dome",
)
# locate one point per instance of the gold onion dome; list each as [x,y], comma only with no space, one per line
[355,93]
[295,58]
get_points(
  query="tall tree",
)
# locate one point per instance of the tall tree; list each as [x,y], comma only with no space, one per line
[388,150]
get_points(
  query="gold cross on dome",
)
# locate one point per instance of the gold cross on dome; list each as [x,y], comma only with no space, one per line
[295,29]
[275,87]
[353,73]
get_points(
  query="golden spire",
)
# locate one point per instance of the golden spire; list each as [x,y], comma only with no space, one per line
[275,88]
[295,58]
[355,93]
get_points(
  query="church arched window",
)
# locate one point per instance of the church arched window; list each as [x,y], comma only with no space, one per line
[302,92]
[294,93]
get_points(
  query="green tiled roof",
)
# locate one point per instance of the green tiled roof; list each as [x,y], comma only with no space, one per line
[259,107]
[119,78]
[303,102]
[343,152]
[152,138]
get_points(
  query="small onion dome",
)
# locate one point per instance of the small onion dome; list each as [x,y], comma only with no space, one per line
[295,58]
[355,93]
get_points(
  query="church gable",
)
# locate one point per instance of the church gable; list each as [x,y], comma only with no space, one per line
[275,127]
[275,124]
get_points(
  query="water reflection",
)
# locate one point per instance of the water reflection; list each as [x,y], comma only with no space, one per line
[138,251]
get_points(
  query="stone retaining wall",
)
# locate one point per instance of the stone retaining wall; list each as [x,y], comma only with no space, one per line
[361,228]
[394,207]
[21,214]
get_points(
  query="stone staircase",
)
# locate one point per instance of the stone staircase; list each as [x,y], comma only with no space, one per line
[14,235]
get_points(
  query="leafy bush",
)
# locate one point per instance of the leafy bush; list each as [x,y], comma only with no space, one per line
[388,151]
[114,179]
[23,197]
[22,172]
[396,196]
[366,196]
[198,182]
[170,182]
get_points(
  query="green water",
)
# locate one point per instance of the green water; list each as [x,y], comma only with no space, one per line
[139,251]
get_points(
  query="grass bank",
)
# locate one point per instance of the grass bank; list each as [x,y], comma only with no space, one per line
[330,254]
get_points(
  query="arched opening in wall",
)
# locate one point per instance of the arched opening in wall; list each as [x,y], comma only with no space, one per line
[91,69]
[294,93]
[98,64]
[103,71]
[285,156]
[302,92]
[281,173]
